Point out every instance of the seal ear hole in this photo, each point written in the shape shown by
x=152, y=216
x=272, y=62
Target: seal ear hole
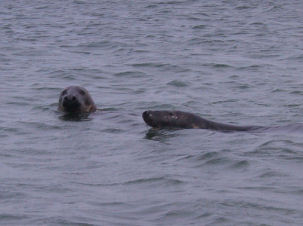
x=81, y=92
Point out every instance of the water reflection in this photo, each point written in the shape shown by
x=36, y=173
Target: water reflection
x=160, y=134
x=75, y=117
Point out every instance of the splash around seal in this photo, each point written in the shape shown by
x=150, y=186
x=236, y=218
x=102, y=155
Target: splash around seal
x=76, y=100
x=186, y=120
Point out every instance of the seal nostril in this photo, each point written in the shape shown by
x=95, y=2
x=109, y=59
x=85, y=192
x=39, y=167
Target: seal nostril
x=67, y=98
x=144, y=114
x=147, y=115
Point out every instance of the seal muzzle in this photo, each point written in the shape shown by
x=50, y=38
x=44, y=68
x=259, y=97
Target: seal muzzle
x=71, y=104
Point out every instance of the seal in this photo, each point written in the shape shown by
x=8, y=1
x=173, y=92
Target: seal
x=76, y=100
x=186, y=120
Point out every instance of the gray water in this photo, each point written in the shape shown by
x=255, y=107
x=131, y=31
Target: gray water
x=236, y=62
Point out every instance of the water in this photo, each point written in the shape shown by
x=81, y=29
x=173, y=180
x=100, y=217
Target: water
x=231, y=61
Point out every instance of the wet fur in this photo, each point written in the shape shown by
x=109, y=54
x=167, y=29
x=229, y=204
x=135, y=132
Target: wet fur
x=76, y=100
x=186, y=120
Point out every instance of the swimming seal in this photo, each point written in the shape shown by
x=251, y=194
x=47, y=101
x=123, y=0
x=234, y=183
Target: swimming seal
x=186, y=120
x=76, y=100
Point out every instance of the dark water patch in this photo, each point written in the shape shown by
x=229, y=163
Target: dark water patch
x=243, y=86
x=296, y=92
x=216, y=161
x=254, y=67
x=240, y=165
x=152, y=181
x=93, y=45
x=177, y=83
x=11, y=130
x=8, y=194
x=160, y=134
x=243, y=7
x=198, y=27
x=139, y=91
x=149, y=64
x=130, y=74
x=113, y=130
x=224, y=101
x=208, y=156
x=75, y=117
x=99, y=185
x=271, y=174
x=218, y=66
x=295, y=57
x=12, y=218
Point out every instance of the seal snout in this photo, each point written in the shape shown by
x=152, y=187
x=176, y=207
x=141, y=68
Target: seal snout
x=70, y=103
x=69, y=98
x=146, y=114
x=147, y=117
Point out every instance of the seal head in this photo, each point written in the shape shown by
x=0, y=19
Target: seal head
x=76, y=100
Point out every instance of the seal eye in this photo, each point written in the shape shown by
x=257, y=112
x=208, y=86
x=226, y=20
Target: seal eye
x=81, y=92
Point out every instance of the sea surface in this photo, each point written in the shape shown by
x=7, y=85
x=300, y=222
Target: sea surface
x=237, y=62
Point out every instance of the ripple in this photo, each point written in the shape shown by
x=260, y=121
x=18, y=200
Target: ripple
x=241, y=164
x=216, y=161
x=198, y=27
x=6, y=218
x=208, y=155
x=212, y=159
x=158, y=65
x=40, y=125
x=130, y=74
x=283, y=148
x=113, y=130
x=177, y=83
x=271, y=174
x=158, y=180
x=218, y=65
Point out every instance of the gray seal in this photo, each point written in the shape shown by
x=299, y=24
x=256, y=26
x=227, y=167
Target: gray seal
x=76, y=100
x=186, y=120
